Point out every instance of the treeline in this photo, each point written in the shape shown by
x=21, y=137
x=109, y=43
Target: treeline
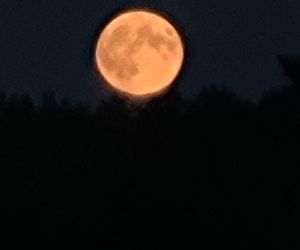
x=213, y=172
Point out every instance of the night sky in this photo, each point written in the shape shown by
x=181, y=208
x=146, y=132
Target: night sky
x=48, y=44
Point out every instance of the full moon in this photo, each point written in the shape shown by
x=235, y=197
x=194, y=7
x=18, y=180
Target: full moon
x=139, y=53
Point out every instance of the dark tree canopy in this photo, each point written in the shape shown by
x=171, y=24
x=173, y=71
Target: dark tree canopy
x=217, y=171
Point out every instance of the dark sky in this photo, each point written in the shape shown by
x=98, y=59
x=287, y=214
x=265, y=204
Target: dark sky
x=47, y=44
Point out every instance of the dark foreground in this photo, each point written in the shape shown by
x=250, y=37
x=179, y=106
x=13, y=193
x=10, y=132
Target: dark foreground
x=215, y=172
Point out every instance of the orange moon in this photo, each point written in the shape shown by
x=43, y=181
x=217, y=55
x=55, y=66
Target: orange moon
x=139, y=53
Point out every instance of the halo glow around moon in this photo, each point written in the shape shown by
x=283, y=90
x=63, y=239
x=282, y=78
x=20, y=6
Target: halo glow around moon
x=139, y=53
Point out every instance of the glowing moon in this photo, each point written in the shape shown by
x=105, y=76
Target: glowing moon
x=139, y=53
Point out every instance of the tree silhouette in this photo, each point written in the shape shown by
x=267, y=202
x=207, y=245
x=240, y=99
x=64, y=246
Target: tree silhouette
x=210, y=172
x=291, y=65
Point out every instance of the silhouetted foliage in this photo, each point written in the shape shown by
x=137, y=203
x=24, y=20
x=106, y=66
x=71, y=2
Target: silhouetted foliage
x=291, y=65
x=217, y=171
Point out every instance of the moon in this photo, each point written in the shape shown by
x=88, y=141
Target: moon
x=139, y=53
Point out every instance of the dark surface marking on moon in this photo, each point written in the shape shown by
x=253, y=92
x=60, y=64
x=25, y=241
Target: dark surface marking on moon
x=123, y=66
x=169, y=32
x=117, y=53
x=155, y=39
